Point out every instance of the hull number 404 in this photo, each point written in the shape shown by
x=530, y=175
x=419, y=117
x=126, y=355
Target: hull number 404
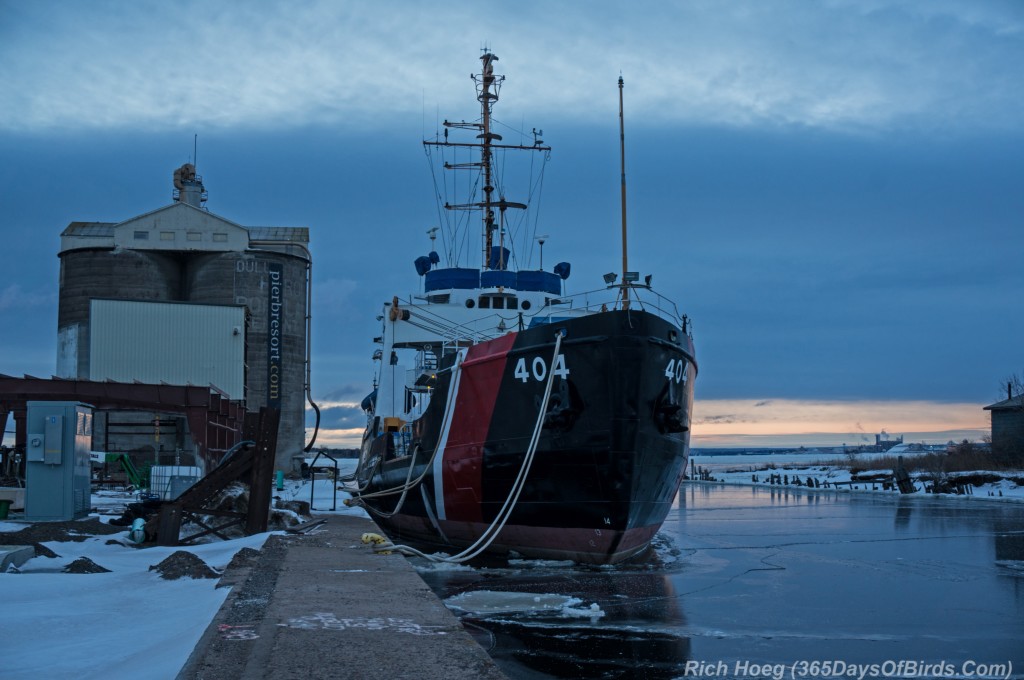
x=676, y=370
x=537, y=369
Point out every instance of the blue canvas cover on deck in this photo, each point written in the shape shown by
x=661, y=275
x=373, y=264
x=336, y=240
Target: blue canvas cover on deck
x=540, y=281
x=422, y=264
x=495, y=278
x=499, y=257
x=453, y=277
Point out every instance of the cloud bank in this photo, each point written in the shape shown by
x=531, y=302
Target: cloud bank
x=836, y=65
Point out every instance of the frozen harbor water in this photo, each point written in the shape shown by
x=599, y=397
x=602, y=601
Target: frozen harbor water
x=749, y=579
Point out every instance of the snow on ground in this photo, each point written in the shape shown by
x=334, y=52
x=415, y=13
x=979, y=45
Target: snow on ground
x=324, y=497
x=129, y=623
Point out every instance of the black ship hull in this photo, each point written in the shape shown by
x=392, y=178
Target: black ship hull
x=609, y=459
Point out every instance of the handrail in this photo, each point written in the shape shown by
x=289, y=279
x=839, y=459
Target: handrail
x=312, y=480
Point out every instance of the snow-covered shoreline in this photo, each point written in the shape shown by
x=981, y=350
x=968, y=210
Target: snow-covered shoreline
x=783, y=469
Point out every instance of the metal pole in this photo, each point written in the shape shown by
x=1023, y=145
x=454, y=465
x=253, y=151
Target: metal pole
x=487, y=79
x=622, y=156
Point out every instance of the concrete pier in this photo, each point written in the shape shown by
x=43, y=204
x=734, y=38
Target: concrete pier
x=324, y=605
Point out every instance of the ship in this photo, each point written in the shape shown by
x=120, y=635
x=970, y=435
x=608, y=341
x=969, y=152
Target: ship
x=508, y=417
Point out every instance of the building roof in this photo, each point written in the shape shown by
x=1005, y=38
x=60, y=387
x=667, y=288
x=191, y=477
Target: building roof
x=1014, y=404
x=96, y=229
x=180, y=226
x=289, y=234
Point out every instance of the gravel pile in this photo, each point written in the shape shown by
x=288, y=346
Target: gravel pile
x=182, y=564
x=83, y=565
x=42, y=532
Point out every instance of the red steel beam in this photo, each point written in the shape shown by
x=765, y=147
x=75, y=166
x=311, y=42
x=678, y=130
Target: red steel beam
x=214, y=421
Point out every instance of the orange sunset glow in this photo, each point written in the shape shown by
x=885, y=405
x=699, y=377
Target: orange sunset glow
x=785, y=422
x=771, y=422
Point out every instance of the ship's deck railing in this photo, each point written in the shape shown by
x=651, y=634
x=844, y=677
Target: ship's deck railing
x=610, y=298
x=455, y=335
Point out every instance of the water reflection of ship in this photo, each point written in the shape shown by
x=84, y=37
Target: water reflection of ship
x=634, y=639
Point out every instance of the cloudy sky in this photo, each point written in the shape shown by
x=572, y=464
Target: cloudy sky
x=832, y=191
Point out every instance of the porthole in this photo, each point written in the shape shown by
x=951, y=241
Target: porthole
x=471, y=303
x=526, y=304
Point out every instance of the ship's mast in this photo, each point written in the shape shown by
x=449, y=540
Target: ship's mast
x=487, y=85
x=622, y=157
x=486, y=96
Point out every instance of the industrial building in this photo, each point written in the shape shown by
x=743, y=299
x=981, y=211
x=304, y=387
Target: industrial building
x=182, y=296
x=1008, y=426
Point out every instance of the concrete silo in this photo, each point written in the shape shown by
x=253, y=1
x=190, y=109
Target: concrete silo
x=182, y=253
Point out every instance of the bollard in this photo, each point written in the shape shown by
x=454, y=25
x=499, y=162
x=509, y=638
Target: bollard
x=280, y=480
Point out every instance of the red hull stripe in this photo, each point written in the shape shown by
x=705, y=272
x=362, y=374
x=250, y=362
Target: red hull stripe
x=463, y=454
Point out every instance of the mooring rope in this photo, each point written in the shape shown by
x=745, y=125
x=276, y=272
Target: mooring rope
x=492, y=531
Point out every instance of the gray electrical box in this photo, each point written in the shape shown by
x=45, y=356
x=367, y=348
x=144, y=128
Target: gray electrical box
x=57, y=468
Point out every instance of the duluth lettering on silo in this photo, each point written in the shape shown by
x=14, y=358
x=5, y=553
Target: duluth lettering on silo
x=275, y=306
